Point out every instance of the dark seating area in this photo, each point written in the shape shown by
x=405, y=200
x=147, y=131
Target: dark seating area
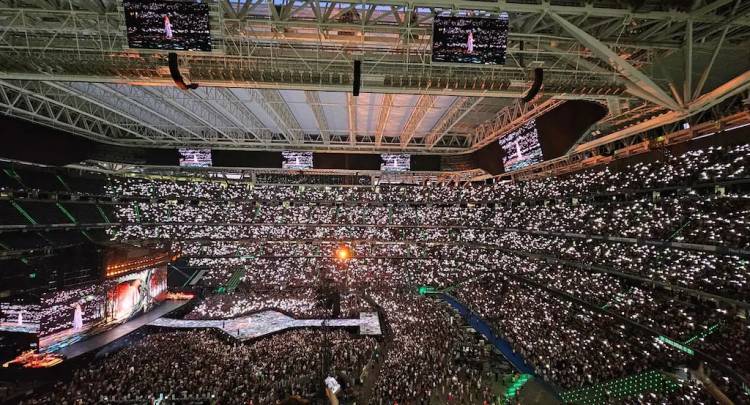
x=9, y=215
x=44, y=212
x=84, y=212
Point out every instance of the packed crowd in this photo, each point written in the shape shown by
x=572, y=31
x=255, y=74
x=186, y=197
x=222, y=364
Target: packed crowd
x=532, y=258
x=200, y=365
x=430, y=359
x=716, y=327
x=686, y=218
x=551, y=332
x=441, y=253
x=277, y=178
x=694, y=168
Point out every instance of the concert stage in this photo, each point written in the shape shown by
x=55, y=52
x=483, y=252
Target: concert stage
x=267, y=322
x=102, y=339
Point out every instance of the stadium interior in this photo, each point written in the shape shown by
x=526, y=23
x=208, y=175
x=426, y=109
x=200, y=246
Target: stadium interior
x=430, y=202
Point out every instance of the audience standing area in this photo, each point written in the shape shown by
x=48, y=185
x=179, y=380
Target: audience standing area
x=375, y=202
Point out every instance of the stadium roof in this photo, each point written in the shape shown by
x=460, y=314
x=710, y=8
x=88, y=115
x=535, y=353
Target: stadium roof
x=281, y=76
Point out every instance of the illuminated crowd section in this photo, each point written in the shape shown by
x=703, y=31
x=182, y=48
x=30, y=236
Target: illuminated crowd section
x=609, y=283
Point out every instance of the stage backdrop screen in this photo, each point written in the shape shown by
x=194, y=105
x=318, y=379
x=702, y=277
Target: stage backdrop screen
x=135, y=293
x=521, y=147
x=195, y=157
x=67, y=315
x=296, y=160
x=19, y=317
x=395, y=162
x=457, y=39
x=74, y=314
x=167, y=25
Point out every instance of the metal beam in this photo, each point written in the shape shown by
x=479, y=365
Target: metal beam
x=454, y=114
x=189, y=111
x=721, y=93
x=385, y=111
x=75, y=109
x=717, y=48
x=239, y=113
x=282, y=115
x=288, y=51
x=511, y=118
x=48, y=112
x=420, y=110
x=320, y=117
x=229, y=113
x=707, y=69
x=636, y=77
x=136, y=121
x=687, y=91
x=113, y=90
x=704, y=102
x=710, y=8
x=727, y=23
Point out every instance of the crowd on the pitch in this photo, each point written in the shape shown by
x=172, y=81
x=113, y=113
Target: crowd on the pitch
x=202, y=365
x=678, y=316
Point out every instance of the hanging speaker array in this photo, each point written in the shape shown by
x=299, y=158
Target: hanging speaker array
x=174, y=71
x=357, y=80
x=535, y=87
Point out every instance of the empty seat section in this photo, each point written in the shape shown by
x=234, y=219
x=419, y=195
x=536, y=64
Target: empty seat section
x=39, y=180
x=69, y=237
x=109, y=212
x=45, y=212
x=7, y=182
x=84, y=213
x=89, y=184
x=22, y=240
x=9, y=215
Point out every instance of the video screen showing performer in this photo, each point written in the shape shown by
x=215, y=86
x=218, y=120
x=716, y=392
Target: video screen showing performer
x=66, y=315
x=136, y=293
x=521, y=147
x=168, y=25
x=70, y=315
x=464, y=39
x=19, y=316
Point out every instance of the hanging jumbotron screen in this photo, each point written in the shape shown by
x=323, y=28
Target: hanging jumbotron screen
x=168, y=25
x=475, y=40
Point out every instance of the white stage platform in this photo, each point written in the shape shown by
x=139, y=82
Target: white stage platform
x=267, y=322
x=100, y=340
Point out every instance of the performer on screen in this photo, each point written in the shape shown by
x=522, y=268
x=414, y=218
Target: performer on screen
x=518, y=151
x=167, y=28
x=77, y=317
x=470, y=43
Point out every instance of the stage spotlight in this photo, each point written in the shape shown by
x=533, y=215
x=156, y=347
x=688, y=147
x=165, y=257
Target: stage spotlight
x=343, y=253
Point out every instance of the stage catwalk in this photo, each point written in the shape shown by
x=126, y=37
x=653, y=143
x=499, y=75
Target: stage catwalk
x=104, y=338
x=267, y=322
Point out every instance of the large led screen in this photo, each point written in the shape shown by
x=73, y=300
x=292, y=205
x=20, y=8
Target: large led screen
x=395, y=162
x=19, y=317
x=296, y=160
x=167, y=25
x=521, y=147
x=135, y=293
x=67, y=315
x=73, y=314
x=195, y=157
x=459, y=39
